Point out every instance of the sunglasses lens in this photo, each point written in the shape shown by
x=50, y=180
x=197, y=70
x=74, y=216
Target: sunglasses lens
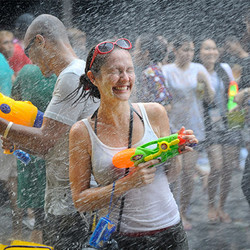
x=125, y=44
x=105, y=47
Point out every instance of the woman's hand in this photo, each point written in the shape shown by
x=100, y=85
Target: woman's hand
x=203, y=80
x=189, y=136
x=242, y=96
x=143, y=174
x=7, y=144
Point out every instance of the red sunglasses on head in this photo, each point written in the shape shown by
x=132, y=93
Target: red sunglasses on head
x=107, y=47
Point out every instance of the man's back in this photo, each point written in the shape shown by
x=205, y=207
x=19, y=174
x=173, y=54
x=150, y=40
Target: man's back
x=58, y=200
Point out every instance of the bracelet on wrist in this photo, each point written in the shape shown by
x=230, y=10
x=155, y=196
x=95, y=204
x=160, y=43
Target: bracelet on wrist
x=6, y=132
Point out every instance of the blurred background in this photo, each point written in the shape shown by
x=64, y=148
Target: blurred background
x=131, y=17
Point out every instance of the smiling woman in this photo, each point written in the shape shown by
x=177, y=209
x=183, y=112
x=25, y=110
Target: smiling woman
x=183, y=78
x=147, y=207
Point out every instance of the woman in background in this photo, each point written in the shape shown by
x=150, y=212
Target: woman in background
x=149, y=53
x=220, y=138
x=185, y=79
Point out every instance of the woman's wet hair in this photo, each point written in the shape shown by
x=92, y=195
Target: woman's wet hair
x=181, y=39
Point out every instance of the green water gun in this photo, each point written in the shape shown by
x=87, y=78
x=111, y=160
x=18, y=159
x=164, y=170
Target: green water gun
x=165, y=148
x=233, y=89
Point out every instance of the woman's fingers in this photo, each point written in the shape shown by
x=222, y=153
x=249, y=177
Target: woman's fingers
x=181, y=130
x=144, y=173
x=7, y=144
x=148, y=164
x=187, y=149
x=190, y=139
x=147, y=175
x=188, y=135
x=189, y=132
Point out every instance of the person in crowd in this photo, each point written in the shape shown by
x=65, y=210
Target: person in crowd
x=165, y=43
x=243, y=100
x=236, y=52
x=21, y=25
x=31, y=85
x=149, y=51
x=189, y=84
x=12, y=52
x=221, y=139
x=19, y=59
x=6, y=43
x=16, y=57
x=8, y=166
x=245, y=40
x=47, y=45
x=6, y=76
x=78, y=41
x=233, y=53
x=149, y=217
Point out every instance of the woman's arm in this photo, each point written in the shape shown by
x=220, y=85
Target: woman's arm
x=35, y=140
x=90, y=199
x=242, y=96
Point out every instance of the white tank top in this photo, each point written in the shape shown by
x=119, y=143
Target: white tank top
x=148, y=208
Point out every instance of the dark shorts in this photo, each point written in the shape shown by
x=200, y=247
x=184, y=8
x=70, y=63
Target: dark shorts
x=173, y=238
x=65, y=232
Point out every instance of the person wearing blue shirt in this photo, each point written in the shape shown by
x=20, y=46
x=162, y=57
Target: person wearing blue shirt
x=6, y=74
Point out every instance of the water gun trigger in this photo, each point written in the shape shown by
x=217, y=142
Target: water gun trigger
x=175, y=142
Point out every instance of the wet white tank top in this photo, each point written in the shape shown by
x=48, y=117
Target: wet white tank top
x=148, y=208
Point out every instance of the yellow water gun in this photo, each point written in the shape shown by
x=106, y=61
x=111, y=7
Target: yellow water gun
x=22, y=113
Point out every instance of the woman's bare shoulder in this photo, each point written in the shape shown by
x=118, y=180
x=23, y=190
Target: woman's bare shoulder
x=158, y=118
x=154, y=109
x=79, y=131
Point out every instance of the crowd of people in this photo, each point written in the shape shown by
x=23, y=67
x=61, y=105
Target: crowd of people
x=125, y=95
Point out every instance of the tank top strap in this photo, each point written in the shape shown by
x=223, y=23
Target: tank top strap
x=148, y=128
x=90, y=130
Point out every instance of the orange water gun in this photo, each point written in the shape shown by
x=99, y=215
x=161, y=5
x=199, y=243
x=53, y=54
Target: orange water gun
x=165, y=148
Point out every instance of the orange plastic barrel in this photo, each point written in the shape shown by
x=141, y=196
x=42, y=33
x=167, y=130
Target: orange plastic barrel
x=122, y=158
